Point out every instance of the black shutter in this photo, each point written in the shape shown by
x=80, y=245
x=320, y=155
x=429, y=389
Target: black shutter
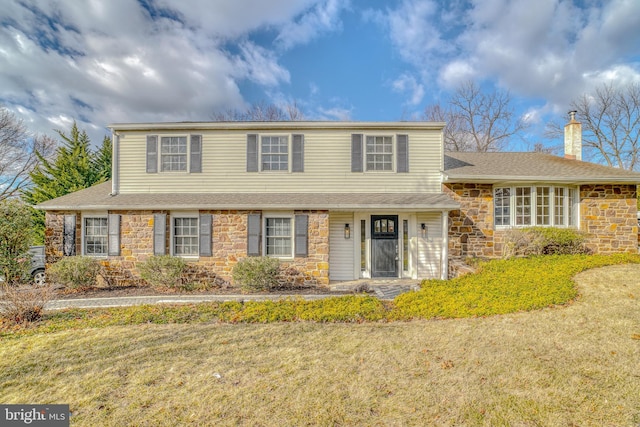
x=252, y=153
x=356, y=153
x=402, y=153
x=69, y=236
x=196, y=154
x=152, y=153
x=114, y=234
x=297, y=151
x=159, y=234
x=254, y=227
x=206, y=221
x=301, y=243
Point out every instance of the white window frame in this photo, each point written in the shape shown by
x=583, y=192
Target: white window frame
x=288, y=138
x=292, y=222
x=570, y=210
x=159, y=154
x=101, y=215
x=172, y=226
x=393, y=153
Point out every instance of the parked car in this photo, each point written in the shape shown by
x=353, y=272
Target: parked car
x=37, y=265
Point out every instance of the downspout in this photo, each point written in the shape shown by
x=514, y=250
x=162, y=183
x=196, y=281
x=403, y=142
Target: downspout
x=115, y=162
x=444, y=267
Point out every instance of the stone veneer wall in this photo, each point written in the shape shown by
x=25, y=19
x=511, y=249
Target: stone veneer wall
x=608, y=215
x=471, y=230
x=229, y=245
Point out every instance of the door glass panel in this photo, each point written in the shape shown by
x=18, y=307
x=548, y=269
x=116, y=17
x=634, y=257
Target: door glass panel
x=405, y=245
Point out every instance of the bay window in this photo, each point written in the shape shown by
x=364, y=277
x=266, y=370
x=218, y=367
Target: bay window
x=524, y=206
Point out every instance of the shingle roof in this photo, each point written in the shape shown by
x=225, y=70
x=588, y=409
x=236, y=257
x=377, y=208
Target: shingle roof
x=497, y=167
x=98, y=198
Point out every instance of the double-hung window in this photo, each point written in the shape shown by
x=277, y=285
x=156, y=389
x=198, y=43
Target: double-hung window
x=173, y=153
x=96, y=236
x=185, y=236
x=275, y=153
x=534, y=206
x=278, y=236
x=379, y=153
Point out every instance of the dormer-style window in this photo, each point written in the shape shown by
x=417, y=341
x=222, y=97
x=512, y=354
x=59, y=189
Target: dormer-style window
x=174, y=153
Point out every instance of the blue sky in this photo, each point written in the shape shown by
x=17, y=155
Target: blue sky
x=100, y=62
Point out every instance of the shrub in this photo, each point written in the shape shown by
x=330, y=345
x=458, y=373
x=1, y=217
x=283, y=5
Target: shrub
x=257, y=273
x=16, y=236
x=163, y=271
x=543, y=241
x=75, y=272
x=24, y=304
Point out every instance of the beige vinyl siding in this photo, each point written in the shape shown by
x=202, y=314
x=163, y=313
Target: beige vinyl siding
x=430, y=249
x=327, y=165
x=341, y=250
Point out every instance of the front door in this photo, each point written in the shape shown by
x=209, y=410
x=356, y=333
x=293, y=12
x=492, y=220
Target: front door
x=384, y=246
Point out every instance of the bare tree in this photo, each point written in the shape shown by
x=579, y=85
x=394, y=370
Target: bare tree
x=18, y=153
x=261, y=112
x=610, y=118
x=477, y=120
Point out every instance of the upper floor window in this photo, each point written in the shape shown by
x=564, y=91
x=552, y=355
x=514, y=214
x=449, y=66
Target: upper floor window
x=534, y=206
x=373, y=153
x=174, y=153
x=275, y=153
x=379, y=153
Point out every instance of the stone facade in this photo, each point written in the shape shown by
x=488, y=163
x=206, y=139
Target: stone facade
x=229, y=230
x=471, y=230
x=608, y=215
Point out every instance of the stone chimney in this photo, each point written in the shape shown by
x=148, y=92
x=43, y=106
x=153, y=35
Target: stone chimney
x=573, y=138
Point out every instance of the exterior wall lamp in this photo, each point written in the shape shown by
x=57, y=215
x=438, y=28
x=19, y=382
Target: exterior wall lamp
x=347, y=231
x=423, y=230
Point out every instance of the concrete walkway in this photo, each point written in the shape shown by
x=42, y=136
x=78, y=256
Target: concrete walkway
x=383, y=289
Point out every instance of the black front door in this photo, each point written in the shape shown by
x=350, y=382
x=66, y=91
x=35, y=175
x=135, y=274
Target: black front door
x=384, y=245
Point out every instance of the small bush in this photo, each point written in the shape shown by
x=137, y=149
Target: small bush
x=257, y=274
x=75, y=272
x=543, y=241
x=164, y=271
x=24, y=304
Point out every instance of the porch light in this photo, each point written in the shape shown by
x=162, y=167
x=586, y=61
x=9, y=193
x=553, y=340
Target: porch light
x=347, y=231
x=423, y=227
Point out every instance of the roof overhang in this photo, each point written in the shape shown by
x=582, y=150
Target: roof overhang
x=288, y=125
x=501, y=179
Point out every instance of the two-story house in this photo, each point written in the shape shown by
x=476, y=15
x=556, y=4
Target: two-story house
x=332, y=200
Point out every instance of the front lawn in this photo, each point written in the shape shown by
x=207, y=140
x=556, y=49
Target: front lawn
x=576, y=365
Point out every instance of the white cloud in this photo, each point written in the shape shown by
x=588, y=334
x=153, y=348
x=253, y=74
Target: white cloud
x=323, y=17
x=408, y=84
x=101, y=62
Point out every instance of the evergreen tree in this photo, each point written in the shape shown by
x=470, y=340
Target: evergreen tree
x=73, y=167
x=103, y=160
